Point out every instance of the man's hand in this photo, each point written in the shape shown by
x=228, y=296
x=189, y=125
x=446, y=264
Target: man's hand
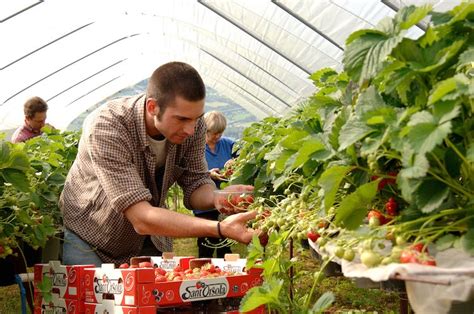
x=235, y=227
x=239, y=188
x=229, y=163
x=233, y=199
x=216, y=175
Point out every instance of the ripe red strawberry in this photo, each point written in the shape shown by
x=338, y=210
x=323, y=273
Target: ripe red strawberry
x=160, y=278
x=313, y=236
x=249, y=198
x=375, y=215
x=419, y=247
x=391, y=207
x=236, y=200
x=145, y=265
x=212, y=268
x=263, y=238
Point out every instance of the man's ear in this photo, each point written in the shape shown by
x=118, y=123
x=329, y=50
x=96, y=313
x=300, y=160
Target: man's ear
x=152, y=107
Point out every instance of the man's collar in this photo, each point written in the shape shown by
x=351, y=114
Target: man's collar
x=29, y=128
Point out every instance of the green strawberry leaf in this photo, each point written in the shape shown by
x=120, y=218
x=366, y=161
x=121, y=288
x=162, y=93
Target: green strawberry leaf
x=470, y=152
x=353, y=131
x=407, y=186
x=467, y=242
x=311, y=144
x=424, y=137
x=368, y=101
x=445, y=242
x=411, y=15
x=430, y=195
x=330, y=181
x=465, y=58
x=267, y=293
x=353, y=207
x=4, y=153
x=376, y=55
x=18, y=159
x=323, y=303
x=360, y=46
x=17, y=178
x=451, y=88
x=446, y=111
x=293, y=139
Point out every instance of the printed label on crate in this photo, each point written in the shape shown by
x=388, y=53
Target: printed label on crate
x=209, y=288
x=171, y=263
x=237, y=266
x=67, y=281
x=125, y=286
x=59, y=306
x=113, y=285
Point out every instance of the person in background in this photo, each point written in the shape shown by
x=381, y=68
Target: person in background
x=218, y=152
x=35, y=109
x=130, y=153
x=219, y=149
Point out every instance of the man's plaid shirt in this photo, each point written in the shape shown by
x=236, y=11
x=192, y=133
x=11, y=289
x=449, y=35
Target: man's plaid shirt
x=115, y=168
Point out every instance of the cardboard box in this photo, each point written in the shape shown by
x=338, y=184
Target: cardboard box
x=58, y=305
x=208, y=288
x=109, y=307
x=137, y=287
x=129, y=286
x=67, y=281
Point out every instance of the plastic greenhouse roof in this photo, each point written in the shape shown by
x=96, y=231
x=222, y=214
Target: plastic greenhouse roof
x=258, y=53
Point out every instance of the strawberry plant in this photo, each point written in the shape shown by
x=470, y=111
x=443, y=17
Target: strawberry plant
x=31, y=178
x=387, y=143
x=227, y=202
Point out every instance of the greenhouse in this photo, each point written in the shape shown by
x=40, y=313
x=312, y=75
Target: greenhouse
x=237, y=156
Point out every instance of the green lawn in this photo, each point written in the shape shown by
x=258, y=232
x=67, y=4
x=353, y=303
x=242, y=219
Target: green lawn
x=10, y=301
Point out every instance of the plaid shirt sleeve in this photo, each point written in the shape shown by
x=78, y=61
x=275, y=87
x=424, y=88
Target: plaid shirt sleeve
x=112, y=160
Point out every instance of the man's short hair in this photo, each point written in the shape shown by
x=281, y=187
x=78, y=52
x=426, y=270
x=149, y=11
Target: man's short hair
x=34, y=105
x=215, y=122
x=175, y=79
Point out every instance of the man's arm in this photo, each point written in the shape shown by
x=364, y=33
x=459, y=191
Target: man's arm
x=203, y=197
x=150, y=220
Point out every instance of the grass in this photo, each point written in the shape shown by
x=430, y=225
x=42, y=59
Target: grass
x=348, y=297
x=10, y=301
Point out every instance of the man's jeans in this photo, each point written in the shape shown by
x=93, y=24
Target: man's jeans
x=78, y=252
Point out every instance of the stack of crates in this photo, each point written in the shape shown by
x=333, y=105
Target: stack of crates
x=67, y=288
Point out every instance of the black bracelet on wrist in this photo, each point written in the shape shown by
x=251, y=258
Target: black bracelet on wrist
x=219, y=230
